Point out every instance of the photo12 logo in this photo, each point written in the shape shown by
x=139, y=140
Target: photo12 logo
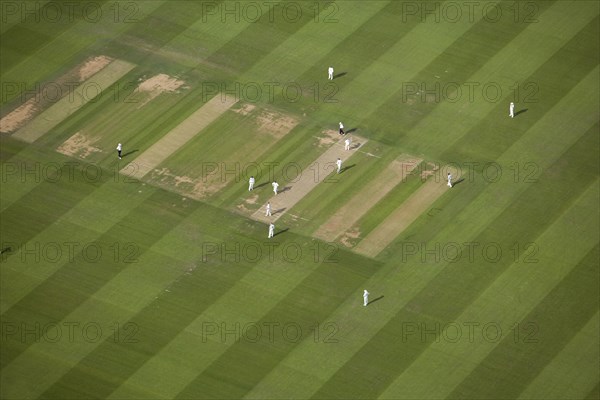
x=270, y=92
x=271, y=252
x=69, y=332
x=269, y=11
x=271, y=332
x=70, y=252
x=471, y=332
x=469, y=11
x=69, y=11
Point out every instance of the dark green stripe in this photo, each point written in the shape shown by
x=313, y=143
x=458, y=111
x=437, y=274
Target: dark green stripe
x=463, y=58
x=76, y=281
x=518, y=359
x=244, y=364
x=521, y=222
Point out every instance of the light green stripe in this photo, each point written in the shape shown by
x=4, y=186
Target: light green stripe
x=508, y=69
x=505, y=302
x=357, y=327
x=573, y=373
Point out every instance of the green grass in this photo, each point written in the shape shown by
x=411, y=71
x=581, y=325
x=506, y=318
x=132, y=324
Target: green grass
x=176, y=285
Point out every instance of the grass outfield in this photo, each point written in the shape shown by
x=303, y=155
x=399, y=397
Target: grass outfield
x=167, y=287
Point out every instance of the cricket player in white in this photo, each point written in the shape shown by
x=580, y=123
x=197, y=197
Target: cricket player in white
x=268, y=213
x=339, y=165
x=342, y=129
x=275, y=186
x=366, y=298
x=449, y=179
x=271, y=230
x=511, y=110
x=347, y=144
x=119, y=149
x=251, y=183
x=330, y=72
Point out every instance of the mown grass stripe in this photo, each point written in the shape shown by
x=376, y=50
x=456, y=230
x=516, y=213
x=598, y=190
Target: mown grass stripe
x=502, y=305
x=558, y=317
x=480, y=117
x=569, y=374
x=521, y=222
x=312, y=300
x=75, y=281
x=486, y=204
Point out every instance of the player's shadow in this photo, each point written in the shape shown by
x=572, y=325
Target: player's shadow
x=374, y=300
x=285, y=189
x=521, y=111
x=355, y=146
x=351, y=130
x=278, y=211
x=458, y=181
x=281, y=231
x=339, y=75
x=347, y=168
x=261, y=185
x=129, y=153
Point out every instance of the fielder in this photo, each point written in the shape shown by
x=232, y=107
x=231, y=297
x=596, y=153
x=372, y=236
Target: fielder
x=366, y=298
x=275, y=186
x=449, y=179
x=268, y=213
x=347, y=144
x=119, y=149
x=342, y=129
x=271, y=230
x=251, y=184
x=339, y=165
x=330, y=73
x=511, y=110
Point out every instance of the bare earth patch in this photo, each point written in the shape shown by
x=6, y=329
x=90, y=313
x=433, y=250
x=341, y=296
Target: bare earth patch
x=158, y=84
x=395, y=173
x=276, y=124
x=196, y=188
x=245, y=109
x=93, y=65
x=329, y=137
x=19, y=116
x=26, y=111
x=349, y=238
x=63, y=108
x=78, y=145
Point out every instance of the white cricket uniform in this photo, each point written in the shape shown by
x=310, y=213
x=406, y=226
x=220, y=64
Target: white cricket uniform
x=366, y=298
x=450, y=180
x=251, y=183
x=268, y=213
x=275, y=186
x=271, y=231
x=511, y=110
x=339, y=165
x=347, y=144
x=330, y=72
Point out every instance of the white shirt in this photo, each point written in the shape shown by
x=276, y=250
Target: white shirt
x=251, y=180
x=341, y=126
x=330, y=70
x=119, y=147
x=339, y=163
x=275, y=185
